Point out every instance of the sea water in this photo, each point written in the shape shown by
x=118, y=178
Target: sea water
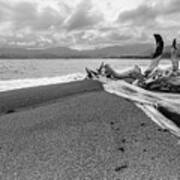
x=23, y=73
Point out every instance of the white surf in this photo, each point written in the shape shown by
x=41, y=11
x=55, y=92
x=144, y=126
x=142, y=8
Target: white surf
x=7, y=85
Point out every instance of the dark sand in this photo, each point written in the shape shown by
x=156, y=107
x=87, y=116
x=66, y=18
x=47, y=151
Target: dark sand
x=87, y=135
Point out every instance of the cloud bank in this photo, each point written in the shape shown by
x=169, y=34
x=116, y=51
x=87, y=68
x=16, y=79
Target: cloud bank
x=86, y=23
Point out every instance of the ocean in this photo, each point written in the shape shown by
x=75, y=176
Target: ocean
x=22, y=73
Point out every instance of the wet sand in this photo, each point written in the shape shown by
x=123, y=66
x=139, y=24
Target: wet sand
x=78, y=131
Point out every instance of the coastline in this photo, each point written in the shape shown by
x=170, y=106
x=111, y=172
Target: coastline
x=33, y=96
x=76, y=130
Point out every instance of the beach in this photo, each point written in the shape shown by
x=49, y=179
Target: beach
x=78, y=131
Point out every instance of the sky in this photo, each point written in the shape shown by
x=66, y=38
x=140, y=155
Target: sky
x=86, y=24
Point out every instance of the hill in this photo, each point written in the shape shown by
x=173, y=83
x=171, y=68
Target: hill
x=126, y=51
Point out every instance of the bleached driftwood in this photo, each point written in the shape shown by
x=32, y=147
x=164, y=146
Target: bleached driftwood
x=163, y=79
x=163, y=108
x=154, y=78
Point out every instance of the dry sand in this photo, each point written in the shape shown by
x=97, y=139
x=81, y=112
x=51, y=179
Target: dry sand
x=48, y=133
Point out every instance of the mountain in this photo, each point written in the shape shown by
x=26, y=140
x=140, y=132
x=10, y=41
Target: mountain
x=133, y=50
x=122, y=51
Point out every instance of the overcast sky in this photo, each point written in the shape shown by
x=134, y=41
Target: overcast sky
x=86, y=23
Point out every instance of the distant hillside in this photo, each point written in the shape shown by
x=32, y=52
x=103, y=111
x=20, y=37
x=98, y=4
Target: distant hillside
x=134, y=50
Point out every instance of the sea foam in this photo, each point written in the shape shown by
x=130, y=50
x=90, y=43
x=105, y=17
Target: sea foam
x=7, y=85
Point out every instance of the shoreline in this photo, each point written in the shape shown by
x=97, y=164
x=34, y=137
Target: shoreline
x=26, y=97
x=87, y=134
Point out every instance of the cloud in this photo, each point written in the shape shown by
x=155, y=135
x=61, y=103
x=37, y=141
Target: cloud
x=24, y=14
x=86, y=23
x=26, y=24
x=142, y=15
x=172, y=7
x=27, y=14
x=151, y=17
x=83, y=17
x=4, y=11
x=100, y=38
x=149, y=13
x=114, y=36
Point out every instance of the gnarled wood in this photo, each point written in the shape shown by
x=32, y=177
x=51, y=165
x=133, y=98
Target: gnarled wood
x=174, y=60
x=154, y=78
x=157, y=54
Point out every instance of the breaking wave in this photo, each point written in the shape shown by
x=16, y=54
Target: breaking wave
x=7, y=85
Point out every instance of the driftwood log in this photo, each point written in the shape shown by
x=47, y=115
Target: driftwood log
x=163, y=107
x=158, y=79
x=154, y=78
